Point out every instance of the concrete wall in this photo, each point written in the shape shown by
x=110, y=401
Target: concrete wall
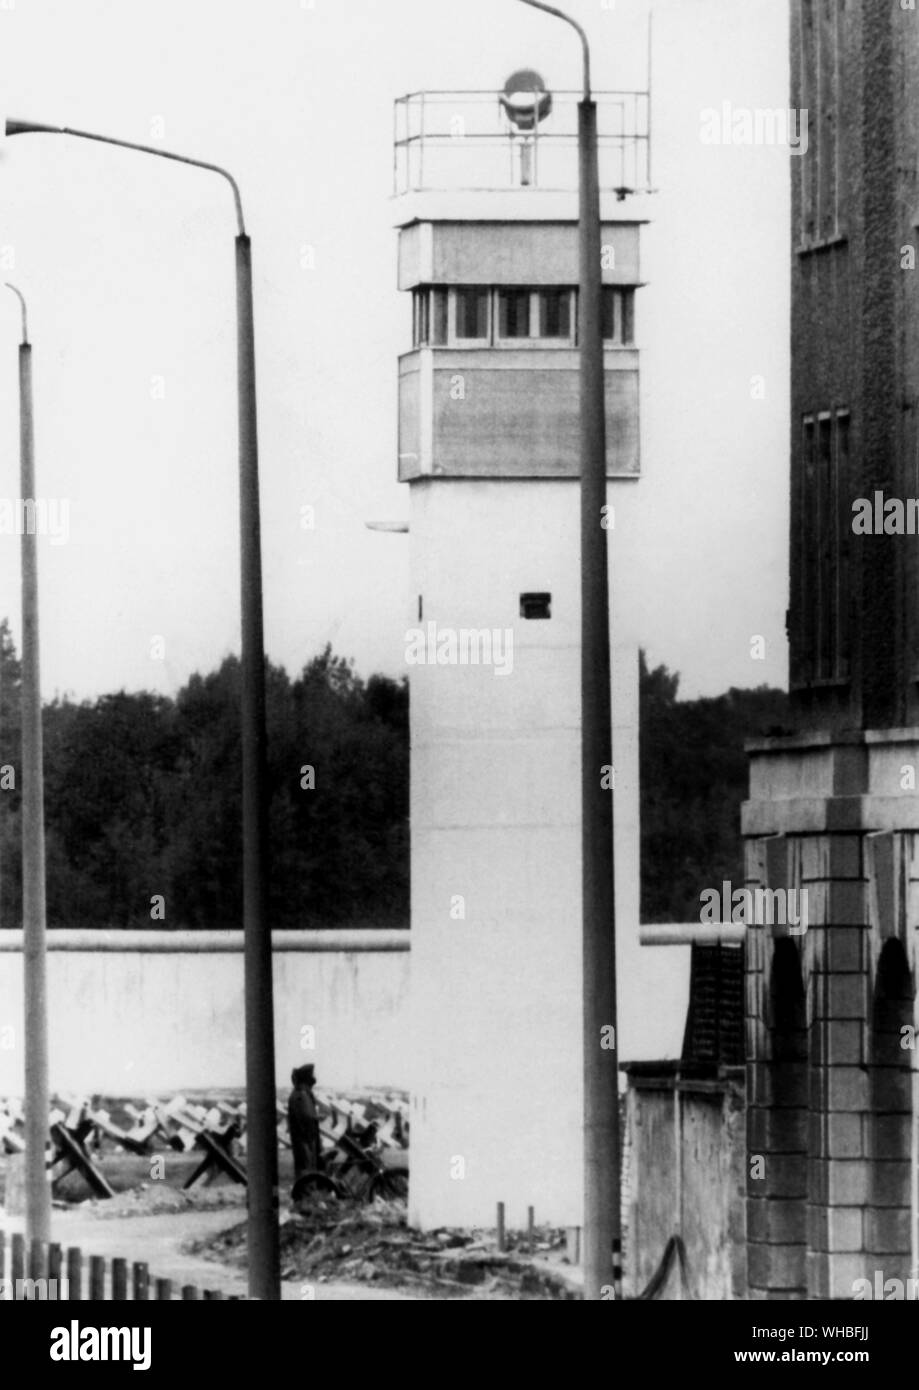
x=161, y=1011
x=136, y=1013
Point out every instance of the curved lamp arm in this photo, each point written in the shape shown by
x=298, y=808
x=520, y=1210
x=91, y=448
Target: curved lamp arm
x=25, y=318
x=34, y=128
x=559, y=14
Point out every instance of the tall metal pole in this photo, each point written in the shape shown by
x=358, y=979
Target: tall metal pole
x=34, y=926
x=602, y=1217
x=261, y=1123
x=261, y=1115
x=602, y=1235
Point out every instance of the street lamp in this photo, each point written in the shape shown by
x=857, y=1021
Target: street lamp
x=34, y=922
x=261, y=1118
x=602, y=1216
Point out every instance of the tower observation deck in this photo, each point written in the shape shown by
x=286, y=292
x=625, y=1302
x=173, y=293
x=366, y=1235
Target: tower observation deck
x=478, y=141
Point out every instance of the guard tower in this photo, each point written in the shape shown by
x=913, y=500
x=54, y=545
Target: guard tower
x=488, y=445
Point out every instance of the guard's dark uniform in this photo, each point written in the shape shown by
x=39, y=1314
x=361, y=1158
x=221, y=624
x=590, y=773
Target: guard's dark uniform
x=303, y=1121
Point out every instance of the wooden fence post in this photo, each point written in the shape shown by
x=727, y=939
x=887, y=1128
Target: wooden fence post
x=55, y=1255
x=48, y=1262
x=96, y=1279
x=18, y=1262
x=74, y=1273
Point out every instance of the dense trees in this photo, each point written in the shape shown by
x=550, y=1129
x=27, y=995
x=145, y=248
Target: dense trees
x=143, y=798
x=143, y=801
x=693, y=780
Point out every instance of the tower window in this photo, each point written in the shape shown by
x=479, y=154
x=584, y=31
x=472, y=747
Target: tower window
x=419, y=317
x=476, y=316
x=438, y=317
x=628, y=316
x=430, y=317
x=514, y=313
x=617, y=315
x=472, y=313
x=554, y=313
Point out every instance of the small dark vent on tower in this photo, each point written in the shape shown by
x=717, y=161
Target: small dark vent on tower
x=714, y=1023
x=536, y=605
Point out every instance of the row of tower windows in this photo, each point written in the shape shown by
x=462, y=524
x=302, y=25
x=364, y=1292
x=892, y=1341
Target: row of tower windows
x=479, y=316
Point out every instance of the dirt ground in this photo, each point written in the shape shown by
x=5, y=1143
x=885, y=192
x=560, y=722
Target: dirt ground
x=346, y=1252
x=330, y=1250
x=156, y=1222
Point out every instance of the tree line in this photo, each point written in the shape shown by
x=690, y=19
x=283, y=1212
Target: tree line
x=143, y=792
x=694, y=777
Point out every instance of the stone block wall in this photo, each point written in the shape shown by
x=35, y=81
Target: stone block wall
x=831, y=1016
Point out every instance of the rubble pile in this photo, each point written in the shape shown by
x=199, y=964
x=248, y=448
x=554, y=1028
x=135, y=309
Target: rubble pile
x=334, y=1240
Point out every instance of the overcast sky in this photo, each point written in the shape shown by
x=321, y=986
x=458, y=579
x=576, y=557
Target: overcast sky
x=127, y=264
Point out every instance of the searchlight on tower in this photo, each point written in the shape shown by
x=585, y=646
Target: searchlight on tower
x=526, y=102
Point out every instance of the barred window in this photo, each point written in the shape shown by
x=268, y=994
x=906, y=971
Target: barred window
x=430, y=317
x=617, y=315
x=824, y=530
x=815, y=98
x=554, y=313
x=513, y=313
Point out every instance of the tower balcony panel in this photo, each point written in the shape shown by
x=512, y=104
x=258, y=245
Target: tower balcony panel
x=452, y=251
x=470, y=413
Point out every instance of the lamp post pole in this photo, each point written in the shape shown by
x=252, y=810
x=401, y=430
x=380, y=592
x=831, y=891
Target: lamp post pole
x=261, y=1112
x=34, y=923
x=602, y=1216
x=261, y=1131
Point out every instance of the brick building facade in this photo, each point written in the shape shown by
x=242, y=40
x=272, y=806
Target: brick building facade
x=834, y=807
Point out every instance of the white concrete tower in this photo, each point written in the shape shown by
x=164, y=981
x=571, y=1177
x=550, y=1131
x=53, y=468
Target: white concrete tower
x=488, y=444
